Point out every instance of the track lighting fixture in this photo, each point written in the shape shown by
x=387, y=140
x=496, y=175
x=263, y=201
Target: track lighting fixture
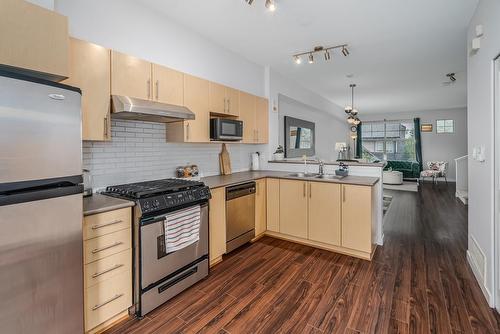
x=451, y=76
x=270, y=5
x=352, y=119
x=327, y=52
x=297, y=60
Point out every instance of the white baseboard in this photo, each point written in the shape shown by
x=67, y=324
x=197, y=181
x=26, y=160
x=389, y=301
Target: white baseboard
x=480, y=279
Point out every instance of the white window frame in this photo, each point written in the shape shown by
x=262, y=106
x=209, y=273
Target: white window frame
x=444, y=127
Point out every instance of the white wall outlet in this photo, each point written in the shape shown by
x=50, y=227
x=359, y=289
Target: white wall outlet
x=476, y=44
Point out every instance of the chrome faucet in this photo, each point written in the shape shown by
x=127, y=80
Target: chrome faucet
x=321, y=167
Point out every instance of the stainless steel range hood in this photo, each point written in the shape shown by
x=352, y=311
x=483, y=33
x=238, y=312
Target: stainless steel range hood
x=125, y=107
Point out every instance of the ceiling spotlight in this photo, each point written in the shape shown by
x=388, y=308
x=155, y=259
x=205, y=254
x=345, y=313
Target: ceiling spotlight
x=345, y=52
x=297, y=59
x=350, y=120
x=327, y=54
x=249, y=2
x=270, y=5
x=311, y=58
x=356, y=121
x=451, y=76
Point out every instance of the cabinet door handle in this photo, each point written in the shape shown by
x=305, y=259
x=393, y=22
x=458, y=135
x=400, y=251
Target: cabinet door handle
x=105, y=271
x=157, y=89
x=257, y=131
x=114, y=222
x=304, y=189
x=116, y=244
x=343, y=193
x=106, y=126
x=187, y=131
x=98, y=306
x=310, y=190
x=228, y=106
x=148, y=83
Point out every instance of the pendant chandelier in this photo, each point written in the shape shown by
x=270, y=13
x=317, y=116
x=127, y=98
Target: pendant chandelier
x=351, y=111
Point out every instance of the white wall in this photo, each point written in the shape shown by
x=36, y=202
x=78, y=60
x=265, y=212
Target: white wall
x=436, y=147
x=132, y=28
x=480, y=127
x=49, y=4
x=305, y=104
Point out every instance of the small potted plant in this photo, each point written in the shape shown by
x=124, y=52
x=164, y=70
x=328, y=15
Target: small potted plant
x=279, y=154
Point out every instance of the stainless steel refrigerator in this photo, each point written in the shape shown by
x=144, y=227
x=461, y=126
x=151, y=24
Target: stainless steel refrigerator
x=41, y=280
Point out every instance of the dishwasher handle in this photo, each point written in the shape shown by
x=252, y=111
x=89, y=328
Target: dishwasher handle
x=240, y=190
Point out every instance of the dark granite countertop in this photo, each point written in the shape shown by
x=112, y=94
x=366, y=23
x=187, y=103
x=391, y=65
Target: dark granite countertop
x=101, y=203
x=218, y=181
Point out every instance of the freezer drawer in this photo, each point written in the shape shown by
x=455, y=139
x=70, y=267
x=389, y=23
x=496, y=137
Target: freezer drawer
x=41, y=285
x=40, y=131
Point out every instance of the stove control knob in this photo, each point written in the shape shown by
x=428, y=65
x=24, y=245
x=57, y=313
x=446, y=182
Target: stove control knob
x=146, y=205
x=156, y=203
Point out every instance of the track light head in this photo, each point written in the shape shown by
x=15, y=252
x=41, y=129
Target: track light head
x=249, y=2
x=297, y=60
x=327, y=55
x=345, y=51
x=348, y=110
x=311, y=58
x=452, y=77
x=270, y=5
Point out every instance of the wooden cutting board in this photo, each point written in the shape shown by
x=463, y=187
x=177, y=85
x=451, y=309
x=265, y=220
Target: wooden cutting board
x=225, y=161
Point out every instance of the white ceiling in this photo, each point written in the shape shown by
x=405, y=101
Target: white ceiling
x=400, y=49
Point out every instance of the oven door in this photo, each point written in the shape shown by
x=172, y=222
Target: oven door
x=155, y=263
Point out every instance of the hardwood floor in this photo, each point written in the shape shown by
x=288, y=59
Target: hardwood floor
x=418, y=282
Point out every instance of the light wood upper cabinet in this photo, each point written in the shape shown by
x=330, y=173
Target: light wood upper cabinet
x=130, y=76
x=196, y=99
x=248, y=103
x=293, y=208
x=168, y=85
x=273, y=204
x=233, y=101
x=260, y=207
x=34, y=39
x=89, y=70
x=357, y=217
x=262, y=120
x=217, y=230
x=325, y=212
x=217, y=98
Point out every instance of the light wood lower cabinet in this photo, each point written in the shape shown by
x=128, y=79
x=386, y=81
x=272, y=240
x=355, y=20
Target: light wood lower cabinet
x=107, y=267
x=293, y=208
x=217, y=223
x=325, y=213
x=273, y=205
x=260, y=207
x=357, y=217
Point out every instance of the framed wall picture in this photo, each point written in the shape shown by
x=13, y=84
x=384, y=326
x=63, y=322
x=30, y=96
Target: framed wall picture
x=426, y=127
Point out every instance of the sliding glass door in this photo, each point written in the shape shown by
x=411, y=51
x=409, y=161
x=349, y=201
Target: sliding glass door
x=388, y=140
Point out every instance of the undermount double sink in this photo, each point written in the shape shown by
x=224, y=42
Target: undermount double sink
x=317, y=176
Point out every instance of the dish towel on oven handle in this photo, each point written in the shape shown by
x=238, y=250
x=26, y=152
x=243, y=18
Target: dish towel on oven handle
x=182, y=228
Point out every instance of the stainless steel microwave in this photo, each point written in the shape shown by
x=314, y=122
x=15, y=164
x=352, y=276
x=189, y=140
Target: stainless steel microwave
x=225, y=129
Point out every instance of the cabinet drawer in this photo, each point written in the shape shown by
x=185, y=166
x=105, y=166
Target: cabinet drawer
x=108, y=267
x=106, y=299
x=109, y=244
x=105, y=223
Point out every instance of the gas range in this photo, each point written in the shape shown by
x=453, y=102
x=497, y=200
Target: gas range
x=161, y=195
x=159, y=275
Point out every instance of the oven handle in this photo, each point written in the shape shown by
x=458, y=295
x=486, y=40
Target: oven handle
x=162, y=217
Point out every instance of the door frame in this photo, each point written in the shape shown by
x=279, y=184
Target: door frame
x=496, y=191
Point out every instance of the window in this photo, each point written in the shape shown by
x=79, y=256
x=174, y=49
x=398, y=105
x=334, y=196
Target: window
x=445, y=126
x=394, y=140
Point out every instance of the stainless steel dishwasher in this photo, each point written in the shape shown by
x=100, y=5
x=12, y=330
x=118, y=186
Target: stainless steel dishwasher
x=240, y=215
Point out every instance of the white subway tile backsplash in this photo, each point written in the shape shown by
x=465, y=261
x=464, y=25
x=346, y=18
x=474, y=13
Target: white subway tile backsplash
x=138, y=151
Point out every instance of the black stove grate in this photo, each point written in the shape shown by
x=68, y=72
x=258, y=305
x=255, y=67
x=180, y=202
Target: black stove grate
x=151, y=188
